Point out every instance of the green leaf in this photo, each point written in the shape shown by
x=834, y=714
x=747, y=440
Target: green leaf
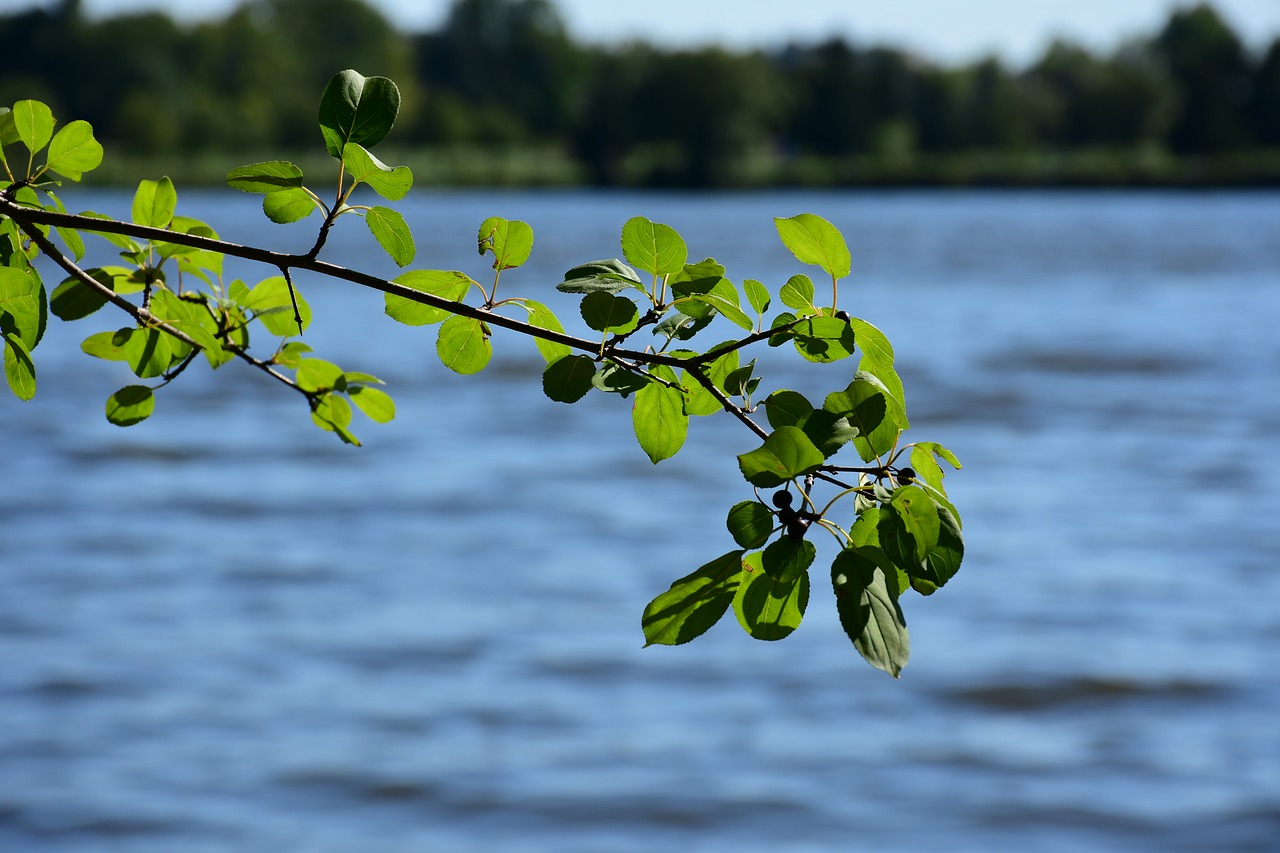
x=392, y=183
x=154, y=203
x=943, y=561
x=869, y=611
x=824, y=339
x=658, y=417
x=869, y=408
x=272, y=176
x=694, y=603
x=333, y=414
x=653, y=247
x=797, y=294
x=750, y=523
x=827, y=431
x=757, y=295
x=34, y=124
x=786, y=454
x=541, y=317
x=449, y=285
x=19, y=369
x=605, y=312
x=374, y=402
x=611, y=275
x=316, y=374
x=291, y=353
x=272, y=304
x=359, y=109
x=148, y=352
x=463, y=345
x=130, y=405
x=22, y=306
x=288, y=206
x=392, y=234
x=919, y=516
x=814, y=240
x=774, y=590
x=108, y=345
x=74, y=300
x=569, y=378
x=74, y=151
x=510, y=240
x=787, y=408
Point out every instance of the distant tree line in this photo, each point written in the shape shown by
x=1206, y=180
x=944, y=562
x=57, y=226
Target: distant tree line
x=506, y=74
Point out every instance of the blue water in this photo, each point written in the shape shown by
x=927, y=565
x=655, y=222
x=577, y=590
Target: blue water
x=223, y=630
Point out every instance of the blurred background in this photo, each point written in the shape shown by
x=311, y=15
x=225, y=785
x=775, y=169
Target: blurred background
x=223, y=630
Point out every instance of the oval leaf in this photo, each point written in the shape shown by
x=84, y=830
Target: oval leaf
x=814, y=240
x=694, y=603
x=653, y=247
x=392, y=234
x=463, y=345
x=74, y=151
x=130, y=405
x=659, y=418
x=272, y=176
x=786, y=454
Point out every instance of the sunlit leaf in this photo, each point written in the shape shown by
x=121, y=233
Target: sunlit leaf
x=658, y=417
x=19, y=369
x=154, y=203
x=653, y=247
x=33, y=122
x=392, y=234
x=448, y=285
x=463, y=345
x=74, y=151
x=272, y=176
x=130, y=405
x=374, y=402
x=291, y=205
x=786, y=454
x=814, y=240
x=510, y=240
x=390, y=182
x=774, y=589
x=694, y=603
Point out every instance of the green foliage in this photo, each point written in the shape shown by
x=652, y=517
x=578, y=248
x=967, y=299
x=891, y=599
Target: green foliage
x=647, y=320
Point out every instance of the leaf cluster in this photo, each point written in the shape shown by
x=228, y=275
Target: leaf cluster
x=663, y=331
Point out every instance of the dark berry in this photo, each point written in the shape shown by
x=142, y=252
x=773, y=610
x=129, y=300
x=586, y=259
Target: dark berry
x=782, y=500
x=906, y=475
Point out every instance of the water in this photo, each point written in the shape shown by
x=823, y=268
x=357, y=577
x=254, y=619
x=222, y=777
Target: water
x=222, y=630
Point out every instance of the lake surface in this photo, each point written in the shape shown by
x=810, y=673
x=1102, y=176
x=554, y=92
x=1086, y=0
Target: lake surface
x=223, y=630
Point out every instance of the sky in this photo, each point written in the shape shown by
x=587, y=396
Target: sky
x=943, y=30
